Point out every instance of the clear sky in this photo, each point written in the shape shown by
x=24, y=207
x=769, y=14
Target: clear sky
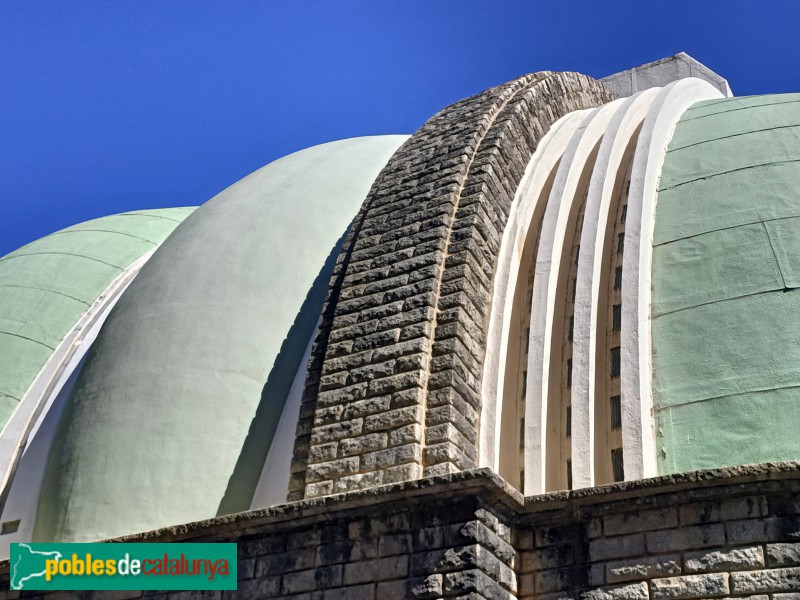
x=108, y=106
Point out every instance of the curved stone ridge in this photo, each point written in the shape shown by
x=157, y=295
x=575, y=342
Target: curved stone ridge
x=395, y=374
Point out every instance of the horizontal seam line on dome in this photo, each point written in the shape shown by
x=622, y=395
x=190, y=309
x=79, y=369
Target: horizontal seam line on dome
x=4, y=395
x=26, y=338
x=101, y=231
x=751, y=223
x=722, y=112
x=712, y=175
x=701, y=400
x=62, y=254
x=733, y=135
x=33, y=287
x=150, y=215
x=762, y=292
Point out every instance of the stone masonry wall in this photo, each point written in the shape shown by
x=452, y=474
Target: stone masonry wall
x=394, y=378
x=695, y=539
x=728, y=534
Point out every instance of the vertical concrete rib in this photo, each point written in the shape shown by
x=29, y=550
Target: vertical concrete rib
x=636, y=348
x=613, y=155
x=524, y=220
x=542, y=427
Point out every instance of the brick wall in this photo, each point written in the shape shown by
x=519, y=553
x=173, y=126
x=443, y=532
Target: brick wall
x=393, y=388
x=732, y=533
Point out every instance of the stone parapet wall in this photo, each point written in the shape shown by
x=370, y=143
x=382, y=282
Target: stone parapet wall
x=732, y=533
x=394, y=379
x=703, y=537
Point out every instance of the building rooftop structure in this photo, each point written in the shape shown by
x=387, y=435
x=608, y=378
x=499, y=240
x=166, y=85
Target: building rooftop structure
x=571, y=283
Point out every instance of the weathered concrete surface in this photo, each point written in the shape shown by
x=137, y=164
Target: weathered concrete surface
x=661, y=72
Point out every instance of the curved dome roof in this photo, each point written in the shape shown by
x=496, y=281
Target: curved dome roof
x=48, y=284
x=201, y=350
x=726, y=273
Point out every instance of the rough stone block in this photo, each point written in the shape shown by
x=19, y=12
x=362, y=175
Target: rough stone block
x=355, y=592
x=306, y=581
x=393, y=419
x=379, y=569
x=358, y=482
x=332, y=469
x=405, y=472
x=690, y=586
x=362, y=444
x=645, y=567
x=410, y=453
x=562, y=555
x=275, y=564
x=634, y=591
x=474, y=580
x=774, y=580
x=616, y=547
x=686, y=538
x=647, y=520
x=771, y=529
x=783, y=555
x=722, y=510
x=735, y=559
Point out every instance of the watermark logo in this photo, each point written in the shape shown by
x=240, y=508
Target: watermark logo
x=123, y=566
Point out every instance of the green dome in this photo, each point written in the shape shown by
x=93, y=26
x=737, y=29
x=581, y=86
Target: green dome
x=726, y=273
x=176, y=408
x=48, y=284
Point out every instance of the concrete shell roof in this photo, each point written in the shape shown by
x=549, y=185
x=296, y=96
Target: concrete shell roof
x=48, y=284
x=726, y=286
x=175, y=409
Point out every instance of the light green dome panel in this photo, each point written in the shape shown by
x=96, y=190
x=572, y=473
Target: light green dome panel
x=726, y=268
x=175, y=409
x=47, y=285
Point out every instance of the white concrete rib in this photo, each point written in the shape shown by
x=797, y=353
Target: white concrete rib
x=603, y=135
x=638, y=438
x=515, y=234
x=611, y=158
x=555, y=225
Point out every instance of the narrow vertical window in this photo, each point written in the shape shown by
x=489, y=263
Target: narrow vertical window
x=620, y=243
x=577, y=253
x=574, y=288
x=524, y=384
x=616, y=320
x=616, y=412
x=569, y=373
x=618, y=278
x=615, y=360
x=571, y=327
x=569, y=422
x=624, y=213
x=569, y=474
x=617, y=464
x=522, y=434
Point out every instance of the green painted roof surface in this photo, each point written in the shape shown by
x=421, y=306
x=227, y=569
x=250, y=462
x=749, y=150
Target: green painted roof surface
x=48, y=284
x=726, y=286
x=176, y=407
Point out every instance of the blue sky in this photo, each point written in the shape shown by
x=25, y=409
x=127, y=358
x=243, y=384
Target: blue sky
x=114, y=106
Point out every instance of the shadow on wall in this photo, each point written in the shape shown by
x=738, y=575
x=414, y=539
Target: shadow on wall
x=242, y=484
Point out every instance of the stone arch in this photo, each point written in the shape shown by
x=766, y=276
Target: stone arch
x=393, y=391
